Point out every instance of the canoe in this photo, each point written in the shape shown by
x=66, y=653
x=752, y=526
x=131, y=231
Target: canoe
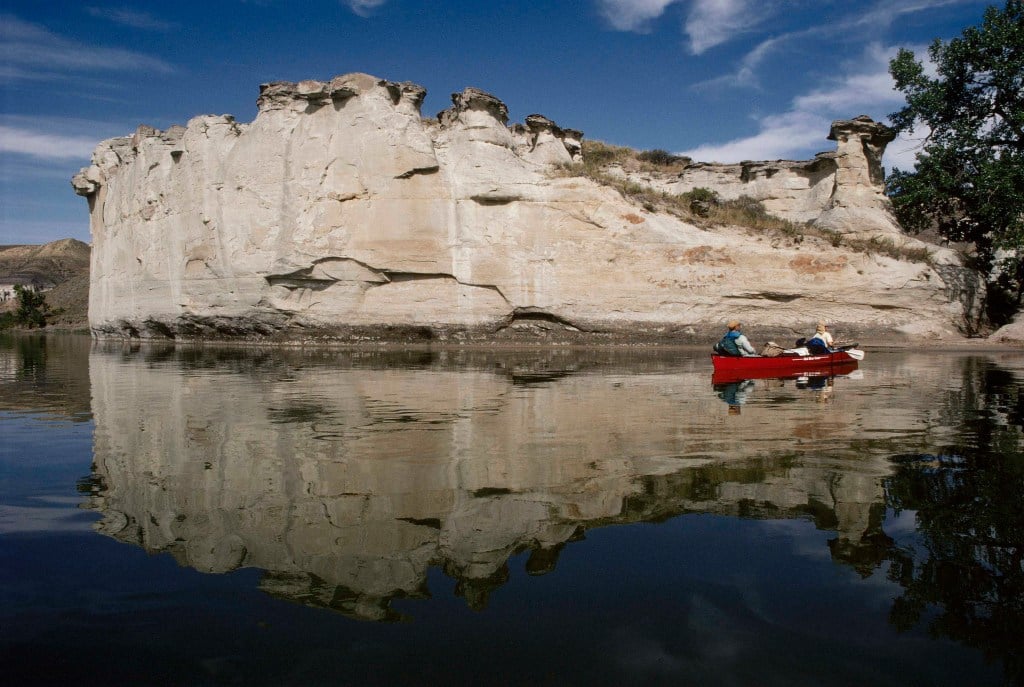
x=761, y=367
x=719, y=377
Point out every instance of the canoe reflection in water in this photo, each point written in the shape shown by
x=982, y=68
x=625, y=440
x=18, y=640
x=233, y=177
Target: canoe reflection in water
x=736, y=392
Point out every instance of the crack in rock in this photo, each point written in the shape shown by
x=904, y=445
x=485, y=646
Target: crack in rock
x=432, y=169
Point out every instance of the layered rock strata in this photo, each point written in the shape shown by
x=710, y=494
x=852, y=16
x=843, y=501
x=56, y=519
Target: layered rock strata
x=340, y=213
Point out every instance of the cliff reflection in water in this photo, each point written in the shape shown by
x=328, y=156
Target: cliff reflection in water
x=347, y=476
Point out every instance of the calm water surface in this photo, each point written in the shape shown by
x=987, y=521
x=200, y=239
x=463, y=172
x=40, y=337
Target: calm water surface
x=234, y=517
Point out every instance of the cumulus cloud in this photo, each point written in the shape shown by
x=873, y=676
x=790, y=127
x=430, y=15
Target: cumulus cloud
x=25, y=48
x=132, y=18
x=363, y=7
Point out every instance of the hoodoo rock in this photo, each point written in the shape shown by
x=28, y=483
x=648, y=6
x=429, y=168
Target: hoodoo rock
x=340, y=213
x=858, y=204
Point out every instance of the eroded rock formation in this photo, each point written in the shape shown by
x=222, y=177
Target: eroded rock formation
x=341, y=213
x=841, y=190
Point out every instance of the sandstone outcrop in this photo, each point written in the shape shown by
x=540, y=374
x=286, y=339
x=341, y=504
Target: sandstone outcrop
x=340, y=213
x=842, y=190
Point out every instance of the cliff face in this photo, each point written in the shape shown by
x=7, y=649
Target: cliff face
x=340, y=212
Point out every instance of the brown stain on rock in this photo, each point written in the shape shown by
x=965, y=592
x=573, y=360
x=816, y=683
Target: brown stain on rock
x=811, y=264
x=703, y=255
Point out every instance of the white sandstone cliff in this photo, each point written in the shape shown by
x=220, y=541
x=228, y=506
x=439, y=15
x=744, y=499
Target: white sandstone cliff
x=341, y=213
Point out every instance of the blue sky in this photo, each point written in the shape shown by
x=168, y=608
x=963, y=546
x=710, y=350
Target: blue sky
x=723, y=80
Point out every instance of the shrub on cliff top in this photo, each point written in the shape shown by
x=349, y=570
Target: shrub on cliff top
x=597, y=154
x=661, y=158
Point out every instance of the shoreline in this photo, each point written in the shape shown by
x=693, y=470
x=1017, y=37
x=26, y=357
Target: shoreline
x=966, y=345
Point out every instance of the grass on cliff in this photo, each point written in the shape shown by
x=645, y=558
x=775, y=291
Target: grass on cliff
x=703, y=207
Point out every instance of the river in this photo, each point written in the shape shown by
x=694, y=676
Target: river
x=234, y=516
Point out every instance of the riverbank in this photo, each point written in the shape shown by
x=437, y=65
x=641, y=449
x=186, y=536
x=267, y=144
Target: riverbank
x=684, y=343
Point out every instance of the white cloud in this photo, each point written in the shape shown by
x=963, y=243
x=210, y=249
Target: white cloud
x=132, y=18
x=708, y=22
x=26, y=47
x=858, y=91
x=886, y=12
x=859, y=26
x=363, y=7
x=746, y=74
x=785, y=136
x=864, y=88
x=632, y=15
x=45, y=145
x=713, y=22
x=866, y=85
x=902, y=152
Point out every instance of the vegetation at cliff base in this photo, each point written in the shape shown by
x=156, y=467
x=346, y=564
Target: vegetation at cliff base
x=968, y=182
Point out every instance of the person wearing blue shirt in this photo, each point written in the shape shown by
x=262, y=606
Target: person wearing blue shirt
x=734, y=342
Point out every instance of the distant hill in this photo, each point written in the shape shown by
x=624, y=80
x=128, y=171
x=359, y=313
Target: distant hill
x=51, y=263
x=60, y=267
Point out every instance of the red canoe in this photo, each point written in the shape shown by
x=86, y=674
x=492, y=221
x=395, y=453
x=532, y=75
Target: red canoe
x=760, y=367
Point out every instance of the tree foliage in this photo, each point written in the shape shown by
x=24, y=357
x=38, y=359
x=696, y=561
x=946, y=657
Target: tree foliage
x=964, y=576
x=968, y=182
x=32, y=308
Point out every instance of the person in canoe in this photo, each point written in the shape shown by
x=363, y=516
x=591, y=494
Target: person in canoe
x=821, y=340
x=734, y=342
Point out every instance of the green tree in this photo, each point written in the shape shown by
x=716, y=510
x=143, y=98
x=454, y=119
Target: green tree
x=968, y=182
x=32, y=307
